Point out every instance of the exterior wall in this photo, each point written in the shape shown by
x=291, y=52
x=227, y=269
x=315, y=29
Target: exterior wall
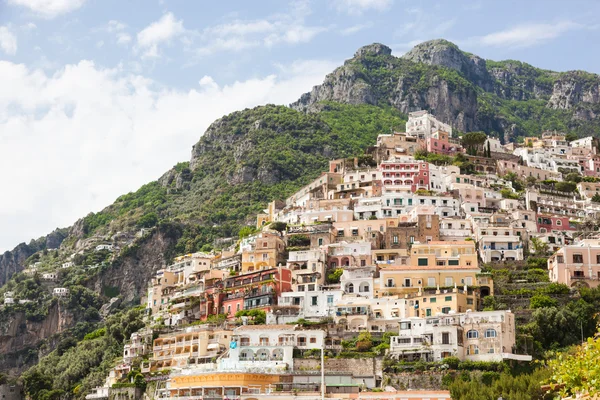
x=577, y=264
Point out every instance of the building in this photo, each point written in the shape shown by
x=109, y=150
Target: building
x=60, y=292
x=267, y=251
x=440, y=142
x=421, y=124
x=400, y=174
x=473, y=336
x=577, y=264
x=191, y=347
x=269, y=346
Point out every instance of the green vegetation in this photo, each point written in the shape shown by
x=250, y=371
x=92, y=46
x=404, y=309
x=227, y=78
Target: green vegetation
x=81, y=365
x=257, y=317
x=577, y=371
x=493, y=385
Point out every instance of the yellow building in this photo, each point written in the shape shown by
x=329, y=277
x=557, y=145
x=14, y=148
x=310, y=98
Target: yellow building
x=221, y=384
x=431, y=303
x=268, y=251
x=444, y=254
x=194, y=346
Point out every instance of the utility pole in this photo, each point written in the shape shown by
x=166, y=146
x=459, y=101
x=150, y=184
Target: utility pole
x=323, y=371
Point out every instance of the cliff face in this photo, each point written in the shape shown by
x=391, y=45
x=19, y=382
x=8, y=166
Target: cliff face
x=464, y=90
x=13, y=261
x=129, y=275
x=19, y=336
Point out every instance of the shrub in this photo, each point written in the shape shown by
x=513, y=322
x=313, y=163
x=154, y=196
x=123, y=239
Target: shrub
x=542, y=301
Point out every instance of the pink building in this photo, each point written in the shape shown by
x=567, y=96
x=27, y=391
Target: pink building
x=404, y=174
x=441, y=143
x=553, y=223
x=577, y=264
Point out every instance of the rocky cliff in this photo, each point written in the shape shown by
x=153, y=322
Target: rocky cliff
x=13, y=261
x=465, y=90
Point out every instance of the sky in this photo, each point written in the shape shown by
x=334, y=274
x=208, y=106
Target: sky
x=98, y=97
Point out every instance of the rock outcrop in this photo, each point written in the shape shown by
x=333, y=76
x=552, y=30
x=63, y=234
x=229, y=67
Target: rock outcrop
x=461, y=89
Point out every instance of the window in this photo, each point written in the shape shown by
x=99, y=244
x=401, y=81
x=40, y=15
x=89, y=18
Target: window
x=320, y=241
x=432, y=299
x=313, y=340
x=598, y=259
x=412, y=239
x=237, y=307
x=490, y=333
x=445, y=310
x=445, y=337
x=395, y=239
x=407, y=282
x=329, y=300
x=558, y=222
x=422, y=261
x=577, y=259
x=448, y=281
x=560, y=259
x=472, y=349
x=314, y=300
x=431, y=282
x=472, y=334
x=448, y=298
x=428, y=312
x=469, y=301
x=452, y=262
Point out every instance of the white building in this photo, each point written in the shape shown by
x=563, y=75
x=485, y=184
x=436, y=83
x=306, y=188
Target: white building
x=269, y=347
x=9, y=298
x=68, y=264
x=421, y=124
x=309, y=305
x=473, y=336
x=358, y=280
x=101, y=247
x=60, y=292
x=49, y=276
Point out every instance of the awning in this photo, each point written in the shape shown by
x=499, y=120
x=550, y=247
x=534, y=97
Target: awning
x=212, y=346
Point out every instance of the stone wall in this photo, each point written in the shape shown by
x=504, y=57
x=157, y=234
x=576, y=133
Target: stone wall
x=424, y=381
x=11, y=392
x=128, y=393
x=357, y=367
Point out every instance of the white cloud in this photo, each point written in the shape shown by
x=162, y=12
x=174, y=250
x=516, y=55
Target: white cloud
x=360, y=6
x=351, y=30
x=75, y=140
x=49, y=8
x=163, y=30
x=118, y=28
x=294, y=35
x=236, y=35
x=8, y=41
x=526, y=35
x=30, y=26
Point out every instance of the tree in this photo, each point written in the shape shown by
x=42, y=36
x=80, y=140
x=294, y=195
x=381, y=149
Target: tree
x=278, y=226
x=596, y=198
x=539, y=248
x=246, y=231
x=473, y=142
x=489, y=150
x=565, y=186
x=148, y=221
x=576, y=372
x=573, y=177
x=541, y=301
x=569, y=137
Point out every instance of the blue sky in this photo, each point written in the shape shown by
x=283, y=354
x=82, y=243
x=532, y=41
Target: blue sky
x=101, y=96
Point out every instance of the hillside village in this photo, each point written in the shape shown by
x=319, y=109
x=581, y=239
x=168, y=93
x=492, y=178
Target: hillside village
x=389, y=262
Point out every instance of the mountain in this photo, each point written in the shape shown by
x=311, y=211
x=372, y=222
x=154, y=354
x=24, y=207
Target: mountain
x=251, y=157
x=506, y=98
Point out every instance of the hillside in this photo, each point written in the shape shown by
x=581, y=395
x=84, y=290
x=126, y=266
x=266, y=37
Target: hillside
x=507, y=98
x=251, y=157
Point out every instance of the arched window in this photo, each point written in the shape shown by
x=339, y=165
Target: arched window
x=558, y=222
x=472, y=334
x=350, y=288
x=472, y=349
x=490, y=333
